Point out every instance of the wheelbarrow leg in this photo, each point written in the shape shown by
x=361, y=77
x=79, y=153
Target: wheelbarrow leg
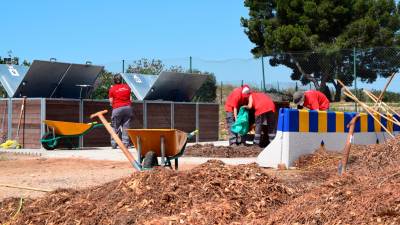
x=139, y=149
x=176, y=164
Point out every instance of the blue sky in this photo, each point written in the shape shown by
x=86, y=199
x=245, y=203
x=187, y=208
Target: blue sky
x=105, y=32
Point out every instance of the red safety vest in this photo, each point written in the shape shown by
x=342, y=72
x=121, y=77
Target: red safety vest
x=262, y=103
x=315, y=100
x=235, y=99
x=121, y=95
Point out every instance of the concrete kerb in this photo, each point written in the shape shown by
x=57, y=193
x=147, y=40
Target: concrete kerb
x=106, y=153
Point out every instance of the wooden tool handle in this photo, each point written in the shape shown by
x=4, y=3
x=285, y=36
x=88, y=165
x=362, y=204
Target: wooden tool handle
x=110, y=130
x=98, y=114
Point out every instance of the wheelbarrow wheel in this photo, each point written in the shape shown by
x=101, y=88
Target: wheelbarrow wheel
x=50, y=143
x=150, y=160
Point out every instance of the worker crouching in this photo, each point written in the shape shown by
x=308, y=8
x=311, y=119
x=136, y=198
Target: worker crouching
x=264, y=109
x=237, y=98
x=313, y=100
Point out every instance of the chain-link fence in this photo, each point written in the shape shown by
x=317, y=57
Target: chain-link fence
x=284, y=73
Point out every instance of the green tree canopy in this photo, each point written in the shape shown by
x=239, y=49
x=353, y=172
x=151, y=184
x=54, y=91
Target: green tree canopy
x=102, y=85
x=311, y=37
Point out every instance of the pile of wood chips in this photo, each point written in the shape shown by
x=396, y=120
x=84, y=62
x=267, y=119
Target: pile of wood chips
x=246, y=194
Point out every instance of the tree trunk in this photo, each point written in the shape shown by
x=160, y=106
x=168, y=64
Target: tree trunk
x=306, y=75
x=338, y=91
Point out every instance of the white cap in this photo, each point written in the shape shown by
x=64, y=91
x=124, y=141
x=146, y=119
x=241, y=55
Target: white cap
x=246, y=90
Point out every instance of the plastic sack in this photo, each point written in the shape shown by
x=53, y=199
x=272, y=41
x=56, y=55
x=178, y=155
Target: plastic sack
x=241, y=125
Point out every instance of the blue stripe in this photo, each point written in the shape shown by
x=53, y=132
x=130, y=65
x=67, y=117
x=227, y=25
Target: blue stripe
x=396, y=127
x=331, y=121
x=313, y=121
x=293, y=121
x=371, y=124
x=347, y=119
x=384, y=123
x=280, y=120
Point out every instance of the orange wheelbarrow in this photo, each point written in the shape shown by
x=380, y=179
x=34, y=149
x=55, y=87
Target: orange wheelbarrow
x=169, y=144
x=57, y=130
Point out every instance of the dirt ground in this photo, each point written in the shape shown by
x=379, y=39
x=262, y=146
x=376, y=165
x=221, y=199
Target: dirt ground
x=210, y=150
x=50, y=174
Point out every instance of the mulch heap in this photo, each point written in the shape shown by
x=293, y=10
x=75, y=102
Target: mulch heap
x=210, y=193
x=209, y=150
x=369, y=193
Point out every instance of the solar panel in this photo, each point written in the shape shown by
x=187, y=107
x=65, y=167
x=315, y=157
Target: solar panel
x=56, y=80
x=139, y=83
x=11, y=77
x=77, y=81
x=172, y=86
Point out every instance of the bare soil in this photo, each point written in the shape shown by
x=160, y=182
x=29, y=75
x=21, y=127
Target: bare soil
x=210, y=150
x=50, y=174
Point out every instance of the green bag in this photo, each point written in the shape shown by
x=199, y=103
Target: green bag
x=241, y=125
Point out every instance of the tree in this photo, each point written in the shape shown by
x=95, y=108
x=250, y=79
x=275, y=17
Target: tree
x=146, y=66
x=311, y=37
x=154, y=67
x=102, y=85
x=208, y=91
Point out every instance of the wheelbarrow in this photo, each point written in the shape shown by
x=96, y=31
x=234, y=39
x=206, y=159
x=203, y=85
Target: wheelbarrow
x=57, y=130
x=169, y=144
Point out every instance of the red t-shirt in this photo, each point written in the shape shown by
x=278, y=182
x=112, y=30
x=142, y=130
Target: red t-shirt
x=315, y=100
x=235, y=99
x=121, y=95
x=262, y=103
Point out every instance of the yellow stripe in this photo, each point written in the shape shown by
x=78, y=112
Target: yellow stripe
x=364, y=122
x=390, y=123
x=322, y=121
x=339, y=122
x=377, y=126
x=304, y=121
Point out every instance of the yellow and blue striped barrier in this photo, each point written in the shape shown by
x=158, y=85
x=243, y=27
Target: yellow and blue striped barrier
x=293, y=120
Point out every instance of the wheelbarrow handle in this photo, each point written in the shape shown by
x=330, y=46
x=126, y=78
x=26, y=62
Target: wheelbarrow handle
x=193, y=133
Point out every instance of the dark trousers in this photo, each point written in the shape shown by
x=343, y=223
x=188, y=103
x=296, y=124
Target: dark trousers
x=120, y=121
x=230, y=120
x=233, y=137
x=265, y=129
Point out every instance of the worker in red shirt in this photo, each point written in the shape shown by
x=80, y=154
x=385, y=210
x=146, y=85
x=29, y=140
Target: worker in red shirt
x=313, y=100
x=237, y=98
x=264, y=109
x=120, y=100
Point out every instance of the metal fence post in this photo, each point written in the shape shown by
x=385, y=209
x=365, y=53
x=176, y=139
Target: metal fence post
x=42, y=116
x=81, y=121
x=9, y=116
x=221, y=93
x=172, y=115
x=355, y=77
x=144, y=114
x=197, y=122
x=263, y=73
x=190, y=64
